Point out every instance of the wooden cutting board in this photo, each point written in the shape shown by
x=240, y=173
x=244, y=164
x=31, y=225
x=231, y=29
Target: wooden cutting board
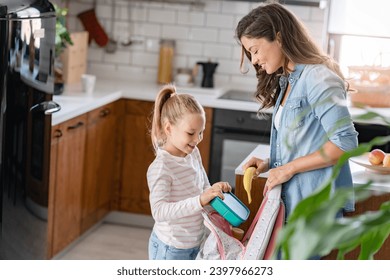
x=376, y=100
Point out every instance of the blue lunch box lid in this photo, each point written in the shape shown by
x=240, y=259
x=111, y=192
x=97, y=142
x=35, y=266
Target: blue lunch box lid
x=231, y=208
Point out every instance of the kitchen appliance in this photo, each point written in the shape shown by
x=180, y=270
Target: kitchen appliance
x=235, y=135
x=27, y=36
x=208, y=73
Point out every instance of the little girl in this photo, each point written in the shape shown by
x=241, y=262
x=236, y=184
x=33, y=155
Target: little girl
x=178, y=184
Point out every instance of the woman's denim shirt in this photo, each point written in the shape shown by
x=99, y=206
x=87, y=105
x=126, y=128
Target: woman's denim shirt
x=309, y=119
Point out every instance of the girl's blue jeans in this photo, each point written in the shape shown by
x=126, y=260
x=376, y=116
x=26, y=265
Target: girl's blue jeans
x=158, y=250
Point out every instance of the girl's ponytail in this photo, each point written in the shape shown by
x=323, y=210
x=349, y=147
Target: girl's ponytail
x=157, y=131
x=170, y=107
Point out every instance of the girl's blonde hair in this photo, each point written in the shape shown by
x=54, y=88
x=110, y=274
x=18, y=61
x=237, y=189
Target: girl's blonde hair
x=170, y=107
x=273, y=21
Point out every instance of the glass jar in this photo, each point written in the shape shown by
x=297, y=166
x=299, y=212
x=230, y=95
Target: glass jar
x=165, y=64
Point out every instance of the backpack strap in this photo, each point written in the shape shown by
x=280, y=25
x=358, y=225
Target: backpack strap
x=260, y=231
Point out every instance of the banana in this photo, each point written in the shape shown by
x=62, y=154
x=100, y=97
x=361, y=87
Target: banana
x=248, y=176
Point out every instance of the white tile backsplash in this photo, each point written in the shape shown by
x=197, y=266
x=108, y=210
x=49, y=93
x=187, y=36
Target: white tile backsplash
x=216, y=51
x=119, y=57
x=226, y=36
x=235, y=7
x=144, y=59
x=201, y=33
x=191, y=18
x=175, y=32
x=147, y=29
x=206, y=35
x=189, y=48
x=162, y=16
x=218, y=20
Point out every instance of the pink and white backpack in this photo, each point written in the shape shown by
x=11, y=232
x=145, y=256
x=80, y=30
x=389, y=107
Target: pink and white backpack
x=258, y=242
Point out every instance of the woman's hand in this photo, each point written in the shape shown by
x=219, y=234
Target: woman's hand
x=215, y=190
x=260, y=164
x=277, y=176
x=324, y=157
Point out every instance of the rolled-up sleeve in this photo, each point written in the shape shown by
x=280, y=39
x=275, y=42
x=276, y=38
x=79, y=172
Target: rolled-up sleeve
x=324, y=92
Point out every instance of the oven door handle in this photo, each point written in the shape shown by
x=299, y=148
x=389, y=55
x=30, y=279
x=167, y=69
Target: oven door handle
x=47, y=107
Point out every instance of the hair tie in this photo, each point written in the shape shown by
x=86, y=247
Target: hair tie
x=173, y=94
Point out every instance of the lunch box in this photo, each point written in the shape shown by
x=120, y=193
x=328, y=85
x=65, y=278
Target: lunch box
x=231, y=208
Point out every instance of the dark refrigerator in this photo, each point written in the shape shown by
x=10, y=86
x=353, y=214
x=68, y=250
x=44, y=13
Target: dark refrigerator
x=27, y=38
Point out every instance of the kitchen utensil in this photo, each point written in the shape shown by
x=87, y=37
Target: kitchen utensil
x=231, y=208
x=363, y=161
x=112, y=44
x=91, y=24
x=128, y=41
x=208, y=73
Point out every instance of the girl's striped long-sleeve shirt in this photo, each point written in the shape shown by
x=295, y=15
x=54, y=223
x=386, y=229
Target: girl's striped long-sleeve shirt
x=175, y=184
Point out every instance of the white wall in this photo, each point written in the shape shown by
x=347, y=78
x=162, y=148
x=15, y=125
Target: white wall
x=200, y=33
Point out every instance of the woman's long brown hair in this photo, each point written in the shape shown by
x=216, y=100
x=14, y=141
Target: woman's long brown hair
x=272, y=21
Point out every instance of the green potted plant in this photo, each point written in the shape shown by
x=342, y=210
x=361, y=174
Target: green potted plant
x=62, y=40
x=312, y=230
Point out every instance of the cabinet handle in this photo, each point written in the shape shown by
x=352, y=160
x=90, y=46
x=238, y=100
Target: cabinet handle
x=75, y=126
x=57, y=133
x=104, y=113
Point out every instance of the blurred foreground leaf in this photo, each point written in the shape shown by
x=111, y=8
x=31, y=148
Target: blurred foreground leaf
x=312, y=229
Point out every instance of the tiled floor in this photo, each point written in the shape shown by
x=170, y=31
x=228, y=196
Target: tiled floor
x=111, y=242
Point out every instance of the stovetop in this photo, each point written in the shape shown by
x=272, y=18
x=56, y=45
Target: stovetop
x=239, y=95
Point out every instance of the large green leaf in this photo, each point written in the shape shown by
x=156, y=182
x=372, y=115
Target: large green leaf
x=312, y=229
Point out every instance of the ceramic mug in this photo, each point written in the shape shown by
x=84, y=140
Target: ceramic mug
x=183, y=79
x=88, y=83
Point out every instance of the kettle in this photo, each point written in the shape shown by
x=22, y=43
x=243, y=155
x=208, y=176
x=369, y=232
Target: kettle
x=208, y=73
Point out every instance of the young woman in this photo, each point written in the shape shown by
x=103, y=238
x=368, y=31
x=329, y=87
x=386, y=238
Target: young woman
x=310, y=129
x=178, y=184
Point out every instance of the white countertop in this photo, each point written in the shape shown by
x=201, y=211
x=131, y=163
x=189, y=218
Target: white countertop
x=360, y=176
x=74, y=102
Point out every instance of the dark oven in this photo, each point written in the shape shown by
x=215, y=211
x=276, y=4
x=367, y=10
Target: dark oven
x=235, y=134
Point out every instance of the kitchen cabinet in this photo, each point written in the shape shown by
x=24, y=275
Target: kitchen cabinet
x=138, y=153
x=66, y=181
x=257, y=197
x=371, y=204
x=205, y=145
x=101, y=165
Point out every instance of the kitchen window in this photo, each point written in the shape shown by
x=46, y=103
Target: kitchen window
x=359, y=36
x=359, y=39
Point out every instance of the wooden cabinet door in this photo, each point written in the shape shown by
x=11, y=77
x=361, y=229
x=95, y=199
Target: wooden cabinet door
x=68, y=142
x=109, y=163
x=257, y=197
x=137, y=155
x=204, y=146
x=101, y=164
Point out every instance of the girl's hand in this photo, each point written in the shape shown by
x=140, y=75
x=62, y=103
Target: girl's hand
x=215, y=190
x=260, y=164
